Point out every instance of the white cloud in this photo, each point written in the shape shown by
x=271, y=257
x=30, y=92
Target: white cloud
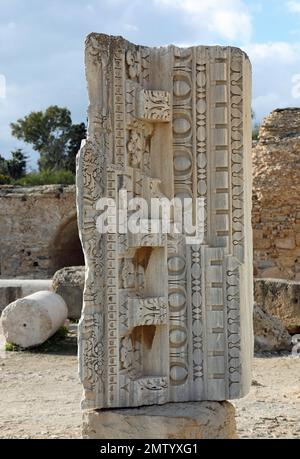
x=274, y=64
x=232, y=24
x=42, y=52
x=131, y=27
x=264, y=104
x=228, y=19
x=282, y=52
x=293, y=7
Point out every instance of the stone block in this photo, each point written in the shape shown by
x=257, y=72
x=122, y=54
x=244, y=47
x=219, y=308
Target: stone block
x=69, y=283
x=269, y=333
x=199, y=420
x=280, y=298
x=166, y=317
x=286, y=243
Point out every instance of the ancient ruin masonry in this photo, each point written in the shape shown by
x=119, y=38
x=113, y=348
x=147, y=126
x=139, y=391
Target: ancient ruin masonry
x=39, y=234
x=276, y=190
x=166, y=317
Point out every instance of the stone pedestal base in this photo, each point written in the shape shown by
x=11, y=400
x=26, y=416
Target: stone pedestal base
x=194, y=420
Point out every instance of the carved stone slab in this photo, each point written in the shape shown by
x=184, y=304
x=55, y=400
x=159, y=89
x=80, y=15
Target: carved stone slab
x=164, y=319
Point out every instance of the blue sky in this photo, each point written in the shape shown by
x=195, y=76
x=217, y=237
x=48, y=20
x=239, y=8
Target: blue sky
x=41, y=47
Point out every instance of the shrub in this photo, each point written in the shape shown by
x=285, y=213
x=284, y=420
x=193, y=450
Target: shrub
x=4, y=179
x=255, y=132
x=47, y=177
x=48, y=346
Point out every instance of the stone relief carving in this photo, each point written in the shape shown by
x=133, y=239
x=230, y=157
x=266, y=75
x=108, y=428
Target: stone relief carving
x=154, y=106
x=130, y=357
x=165, y=320
x=148, y=311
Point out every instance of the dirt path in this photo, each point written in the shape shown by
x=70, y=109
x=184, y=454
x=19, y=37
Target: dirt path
x=40, y=396
x=272, y=408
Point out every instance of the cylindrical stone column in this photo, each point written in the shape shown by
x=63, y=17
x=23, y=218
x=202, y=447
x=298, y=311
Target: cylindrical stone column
x=31, y=320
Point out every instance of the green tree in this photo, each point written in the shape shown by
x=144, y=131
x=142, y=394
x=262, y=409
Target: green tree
x=17, y=165
x=51, y=133
x=77, y=133
x=255, y=131
x=255, y=126
x=3, y=166
x=4, y=178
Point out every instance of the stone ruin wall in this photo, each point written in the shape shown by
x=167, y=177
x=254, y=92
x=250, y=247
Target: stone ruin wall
x=38, y=231
x=276, y=191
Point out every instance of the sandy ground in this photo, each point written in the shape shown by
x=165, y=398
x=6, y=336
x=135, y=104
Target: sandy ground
x=40, y=396
x=272, y=408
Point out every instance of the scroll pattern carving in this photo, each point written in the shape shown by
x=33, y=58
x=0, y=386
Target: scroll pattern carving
x=233, y=327
x=236, y=88
x=149, y=390
x=90, y=165
x=149, y=311
x=130, y=357
x=138, y=146
x=92, y=352
x=138, y=63
x=133, y=61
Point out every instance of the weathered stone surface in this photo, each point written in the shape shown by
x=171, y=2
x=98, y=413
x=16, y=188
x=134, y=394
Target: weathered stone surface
x=269, y=333
x=38, y=230
x=276, y=191
x=13, y=289
x=280, y=298
x=32, y=320
x=199, y=420
x=166, y=317
x=69, y=283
